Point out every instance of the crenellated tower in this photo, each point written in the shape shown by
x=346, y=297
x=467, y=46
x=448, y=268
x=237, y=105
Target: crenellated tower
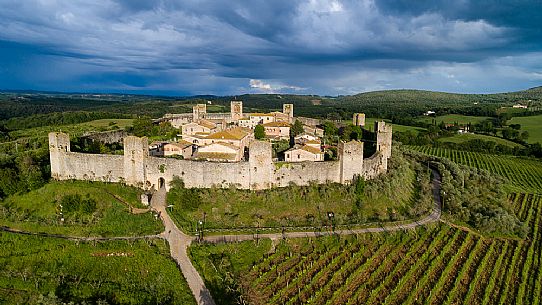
x=288, y=109
x=136, y=153
x=383, y=138
x=199, y=111
x=236, y=108
x=358, y=119
x=351, y=160
x=59, y=145
x=261, y=164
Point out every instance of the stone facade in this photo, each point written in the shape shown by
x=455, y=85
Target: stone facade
x=137, y=168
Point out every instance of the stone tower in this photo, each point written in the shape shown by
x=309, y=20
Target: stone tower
x=358, y=119
x=59, y=145
x=288, y=109
x=383, y=138
x=136, y=152
x=236, y=110
x=351, y=160
x=261, y=165
x=199, y=112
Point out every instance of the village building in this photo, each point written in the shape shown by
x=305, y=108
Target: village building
x=277, y=130
x=182, y=148
x=304, y=137
x=313, y=130
x=219, y=152
x=300, y=153
x=156, y=148
x=199, y=127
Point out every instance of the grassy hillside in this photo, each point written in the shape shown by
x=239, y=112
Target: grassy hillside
x=38, y=270
x=100, y=210
x=531, y=124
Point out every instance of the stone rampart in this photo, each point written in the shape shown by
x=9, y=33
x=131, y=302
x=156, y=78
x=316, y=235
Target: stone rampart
x=107, y=137
x=137, y=168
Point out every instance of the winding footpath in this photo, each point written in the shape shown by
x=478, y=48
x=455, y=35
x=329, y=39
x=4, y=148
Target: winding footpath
x=178, y=245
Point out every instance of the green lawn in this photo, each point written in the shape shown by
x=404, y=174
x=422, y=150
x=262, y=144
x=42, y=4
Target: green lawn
x=531, y=124
x=369, y=125
x=460, y=138
x=40, y=270
x=39, y=211
x=121, y=123
x=395, y=196
x=453, y=118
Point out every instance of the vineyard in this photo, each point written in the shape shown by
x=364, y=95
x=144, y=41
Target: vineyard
x=433, y=265
x=523, y=173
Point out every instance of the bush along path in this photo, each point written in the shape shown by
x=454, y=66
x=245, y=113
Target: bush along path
x=433, y=217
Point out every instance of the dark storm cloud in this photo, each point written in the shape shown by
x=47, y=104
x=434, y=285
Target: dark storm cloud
x=230, y=47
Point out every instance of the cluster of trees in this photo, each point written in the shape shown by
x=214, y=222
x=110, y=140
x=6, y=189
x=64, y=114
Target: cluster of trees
x=59, y=118
x=476, y=198
x=145, y=127
x=23, y=172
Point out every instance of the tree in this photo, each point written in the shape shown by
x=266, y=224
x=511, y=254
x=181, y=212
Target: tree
x=297, y=128
x=259, y=132
x=330, y=129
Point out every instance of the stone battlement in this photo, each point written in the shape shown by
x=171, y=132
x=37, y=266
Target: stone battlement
x=139, y=169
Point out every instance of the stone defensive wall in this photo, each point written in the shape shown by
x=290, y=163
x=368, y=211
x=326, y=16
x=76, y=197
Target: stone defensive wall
x=139, y=169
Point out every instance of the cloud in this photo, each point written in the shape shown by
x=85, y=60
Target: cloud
x=312, y=46
x=272, y=88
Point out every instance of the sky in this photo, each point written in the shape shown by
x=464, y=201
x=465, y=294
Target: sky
x=334, y=47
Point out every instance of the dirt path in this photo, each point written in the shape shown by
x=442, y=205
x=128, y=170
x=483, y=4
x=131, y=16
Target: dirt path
x=178, y=244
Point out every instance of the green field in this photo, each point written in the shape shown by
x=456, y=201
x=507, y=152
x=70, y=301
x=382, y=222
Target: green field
x=531, y=124
x=107, y=123
x=38, y=270
x=369, y=125
x=453, y=118
x=523, y=174
x=403, y=194
x=460, y=138
x=39, y=211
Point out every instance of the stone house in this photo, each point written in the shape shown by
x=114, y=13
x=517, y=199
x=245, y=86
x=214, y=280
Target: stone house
x=156, y=148
x=236, y=136
x=182, y=148
x=303, y=153
x=277, y=130
x=304, y=137
x=199, y=127
x=219, y=152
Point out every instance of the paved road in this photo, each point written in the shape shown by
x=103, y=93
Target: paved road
x=433, y=217
x=178, y=244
